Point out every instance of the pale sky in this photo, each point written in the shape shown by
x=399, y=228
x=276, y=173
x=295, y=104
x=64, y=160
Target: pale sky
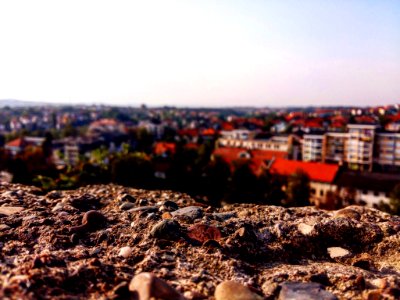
x=201, y=53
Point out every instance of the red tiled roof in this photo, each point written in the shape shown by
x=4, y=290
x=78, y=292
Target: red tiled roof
x=162, y=147
x=257, y=157
x=104, y=122
x=208, y=131
x=15, y=143
x=366, y=119
x=316, y=171
x=188, y=132
x=191, y=146
x=337, y=124
x=227, y=126
x=228, y=154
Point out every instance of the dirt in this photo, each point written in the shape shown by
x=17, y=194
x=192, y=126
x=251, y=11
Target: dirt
x=89, y=244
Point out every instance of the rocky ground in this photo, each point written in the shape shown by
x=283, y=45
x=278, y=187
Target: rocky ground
x=111, y=242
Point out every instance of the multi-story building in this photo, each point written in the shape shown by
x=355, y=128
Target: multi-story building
x=334, y=148
x=387, y=150
x=275, y=143
x=360, y=146
x=237, y=134
x=312, y=147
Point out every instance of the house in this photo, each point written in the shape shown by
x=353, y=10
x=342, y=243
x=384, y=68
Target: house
x=164, y=149
x=322, y=176
x=106, y=126
x=257, y=158
x=19, y=144
x=237, y=134
x=367, y=188
x=312, y=147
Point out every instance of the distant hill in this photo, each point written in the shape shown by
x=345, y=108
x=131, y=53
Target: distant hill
x=20, y=103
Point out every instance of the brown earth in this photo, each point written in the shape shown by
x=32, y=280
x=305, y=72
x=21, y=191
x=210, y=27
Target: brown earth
x=89, y=244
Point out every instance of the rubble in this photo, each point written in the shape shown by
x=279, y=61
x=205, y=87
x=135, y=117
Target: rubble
x=80, y=244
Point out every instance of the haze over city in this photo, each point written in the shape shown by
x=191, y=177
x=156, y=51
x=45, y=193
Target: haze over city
x=201, y=53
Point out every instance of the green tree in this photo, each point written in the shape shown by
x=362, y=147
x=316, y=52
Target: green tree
x=271, y=188
x=244, y=185
x=134, y=169
x=395, y=200
x=217, y=174
x=298, y=189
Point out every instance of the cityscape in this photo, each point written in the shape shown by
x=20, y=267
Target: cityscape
x=200, y=150
x=349, y=155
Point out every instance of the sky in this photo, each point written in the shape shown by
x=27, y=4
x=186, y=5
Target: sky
x=201, y=53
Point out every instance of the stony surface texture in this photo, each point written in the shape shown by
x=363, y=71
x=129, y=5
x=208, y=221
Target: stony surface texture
x=85, y=244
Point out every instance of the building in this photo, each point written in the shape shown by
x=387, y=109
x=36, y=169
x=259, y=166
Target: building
x=322, y=176
x=258, y=159
x=312, y=147
x=19, y=144
x=237, y=134
x=71, y=154
x=275, y=143
x=387, y=151
x=334, y=147
x=367, y=188
x=360, y=146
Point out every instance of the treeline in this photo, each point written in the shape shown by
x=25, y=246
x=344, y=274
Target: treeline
x=188, y=170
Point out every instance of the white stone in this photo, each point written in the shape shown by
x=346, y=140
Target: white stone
x=305, y=228
x=10, y=210
x=125, y=251
x=335, y=252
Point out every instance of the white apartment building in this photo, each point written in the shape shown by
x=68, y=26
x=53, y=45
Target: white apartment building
x=275, y=143
x=360, y=146
x=312, y=147
x=334, y=147
x=238, y=134
x=387, y=149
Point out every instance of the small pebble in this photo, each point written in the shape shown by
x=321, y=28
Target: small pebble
x=189, y=212
x=126, y=205
x=125, y=251
x=305, y=229
x=348, y=213
x=335, y=252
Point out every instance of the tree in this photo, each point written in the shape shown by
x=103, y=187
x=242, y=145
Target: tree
x=47, y=146
x=217, y=174
x=395, y=200
x=298, y=189
x=134, y=169
x=69, y=131
x=244, y=185
x=271, y=188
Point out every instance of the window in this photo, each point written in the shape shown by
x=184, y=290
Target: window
x=321, y=192
x=376, y=193
x=313, y=191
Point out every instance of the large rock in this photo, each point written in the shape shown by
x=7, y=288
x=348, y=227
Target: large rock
x=146, y=286
x=231, y=290
x=304, y=291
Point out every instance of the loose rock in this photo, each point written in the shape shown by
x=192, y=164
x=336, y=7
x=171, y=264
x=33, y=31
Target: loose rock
x=304, y=291
x=336, y=252
x=125, y=251
x=231, y=290
x=10, y=210
x=191, y=213
x=126, y=205
x=146, y=286
x=167, y=229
